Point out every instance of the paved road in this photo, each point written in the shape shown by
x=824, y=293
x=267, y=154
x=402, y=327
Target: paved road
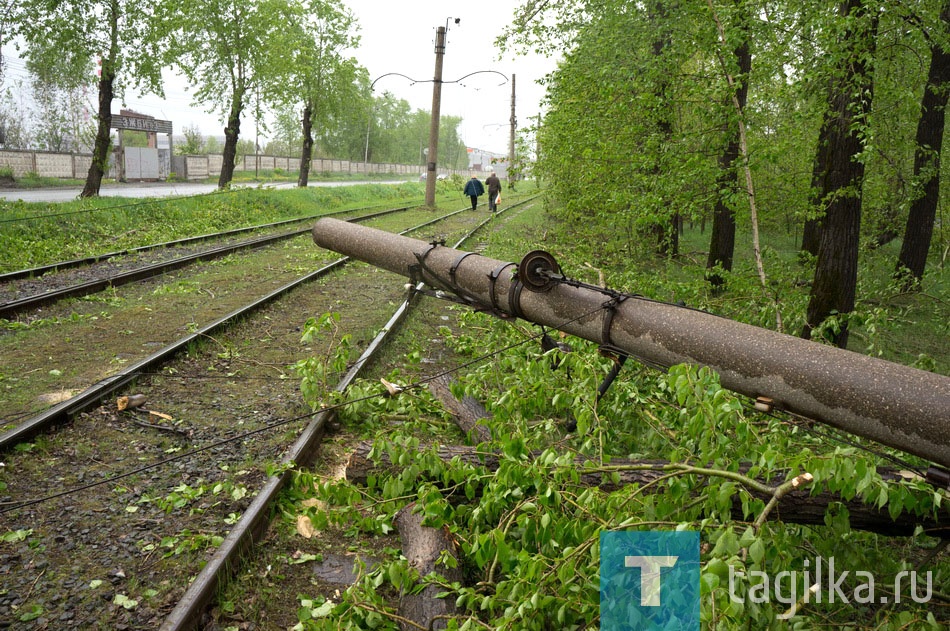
x=145, y=189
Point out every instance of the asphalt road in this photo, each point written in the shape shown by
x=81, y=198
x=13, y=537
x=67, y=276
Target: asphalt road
x=144, y=189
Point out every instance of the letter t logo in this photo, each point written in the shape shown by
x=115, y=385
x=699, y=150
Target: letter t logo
x=650, y=567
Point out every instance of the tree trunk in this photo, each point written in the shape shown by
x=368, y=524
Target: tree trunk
x=800, y=506
x=722, y=243
x=811, y=232
x=841, y=179
x=423, y=546
x=103, y=144
x=306, y=153
x=467, y=412
x=666, y=234
x=231, y=134
x=811, y=235
x=930, y=126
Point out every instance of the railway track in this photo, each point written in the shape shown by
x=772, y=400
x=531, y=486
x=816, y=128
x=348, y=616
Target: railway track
x=188, y=478
x=144, y=262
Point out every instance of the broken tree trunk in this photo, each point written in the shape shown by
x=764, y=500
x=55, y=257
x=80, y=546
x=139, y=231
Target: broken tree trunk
x=467, y=412
x=797, y=507
x=423, y=546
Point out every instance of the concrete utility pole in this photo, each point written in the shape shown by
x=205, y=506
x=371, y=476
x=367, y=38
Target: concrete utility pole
x=898, y=406
x=511, y=138
x=433, y=153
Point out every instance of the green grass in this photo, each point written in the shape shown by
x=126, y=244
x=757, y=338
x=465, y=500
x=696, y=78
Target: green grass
x=34, y=234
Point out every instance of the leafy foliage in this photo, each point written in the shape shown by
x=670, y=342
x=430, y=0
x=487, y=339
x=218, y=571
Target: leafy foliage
x=528, y=528
x=640, y=108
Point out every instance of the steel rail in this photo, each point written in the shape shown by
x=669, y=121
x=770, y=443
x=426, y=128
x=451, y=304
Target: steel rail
x=97, y=393
x=898, y=406
x=14, y=307
x=34, y=272
x=187, y=614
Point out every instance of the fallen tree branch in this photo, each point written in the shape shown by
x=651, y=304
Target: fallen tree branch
x=797, y=506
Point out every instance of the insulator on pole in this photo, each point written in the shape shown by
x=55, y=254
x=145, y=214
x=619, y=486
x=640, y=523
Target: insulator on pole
x=896, y=405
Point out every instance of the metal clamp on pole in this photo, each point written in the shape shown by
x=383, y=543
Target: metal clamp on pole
x=514, y=298
x=492, y=278
x=458, y=262
x=610, y=308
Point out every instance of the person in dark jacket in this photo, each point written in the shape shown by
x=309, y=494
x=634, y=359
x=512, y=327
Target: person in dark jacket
x=474, y=188
x=494, y=188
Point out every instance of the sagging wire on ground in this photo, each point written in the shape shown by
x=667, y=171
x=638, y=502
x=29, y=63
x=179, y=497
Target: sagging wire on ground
x=12, y=506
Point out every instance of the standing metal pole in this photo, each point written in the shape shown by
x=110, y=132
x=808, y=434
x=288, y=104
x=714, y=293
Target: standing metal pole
x=902, y=407
x=511, y=138
x=432, y=155
x=369, y=121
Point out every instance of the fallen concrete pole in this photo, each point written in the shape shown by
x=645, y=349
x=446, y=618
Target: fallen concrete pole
x=898, y=406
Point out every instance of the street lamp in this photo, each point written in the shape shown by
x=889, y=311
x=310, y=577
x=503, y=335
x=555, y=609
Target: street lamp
x=433, y=151
x=369, y=119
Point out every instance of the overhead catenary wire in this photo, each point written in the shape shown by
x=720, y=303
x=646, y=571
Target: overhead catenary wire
x=243, y=435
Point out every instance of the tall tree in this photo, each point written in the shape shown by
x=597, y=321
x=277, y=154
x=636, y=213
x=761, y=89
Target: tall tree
x=71, y=33
x=607, y=141
x=321, y=78
x=658, y=19
x=722, y=243
x=930, y=127
x=229, y=50
x=839, y=169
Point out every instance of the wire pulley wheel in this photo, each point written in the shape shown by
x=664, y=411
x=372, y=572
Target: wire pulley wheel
x=538, y=270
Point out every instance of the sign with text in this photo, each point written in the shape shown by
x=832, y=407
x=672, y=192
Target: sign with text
x=649, y=581
x=138, y=123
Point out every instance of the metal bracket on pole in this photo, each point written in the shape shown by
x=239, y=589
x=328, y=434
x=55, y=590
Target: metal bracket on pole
x=492, y=278
x=514, y=297
x=458, y=262
x=619, y=357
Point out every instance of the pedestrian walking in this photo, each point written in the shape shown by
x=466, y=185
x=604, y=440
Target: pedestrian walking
x=474, y=188
x=493, y=184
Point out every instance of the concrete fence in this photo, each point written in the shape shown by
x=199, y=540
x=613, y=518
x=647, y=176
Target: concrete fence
x=194, y=167
x=64, y=165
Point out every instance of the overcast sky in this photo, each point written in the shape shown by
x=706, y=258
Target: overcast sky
x=399, y=36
